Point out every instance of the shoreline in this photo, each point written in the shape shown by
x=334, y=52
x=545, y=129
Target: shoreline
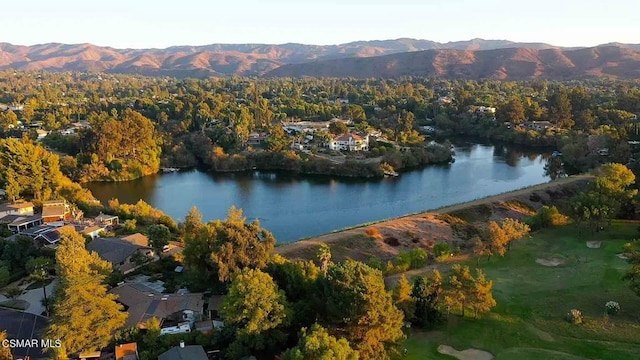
x=408, y=223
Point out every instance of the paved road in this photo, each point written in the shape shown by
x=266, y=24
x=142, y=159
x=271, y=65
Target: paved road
x=21, y=325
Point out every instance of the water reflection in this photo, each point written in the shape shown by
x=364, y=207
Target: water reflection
x=294, y=207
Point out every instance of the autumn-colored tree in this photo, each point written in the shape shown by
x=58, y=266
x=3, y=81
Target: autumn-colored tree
x=318, y=344
x=481, y=295
x=514, y=230
x=403, y=299
x=81, y=292
x=463, y=290
x=5, y=351
x=496, y=239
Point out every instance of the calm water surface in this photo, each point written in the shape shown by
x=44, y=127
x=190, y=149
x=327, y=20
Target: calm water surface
x=295, y=207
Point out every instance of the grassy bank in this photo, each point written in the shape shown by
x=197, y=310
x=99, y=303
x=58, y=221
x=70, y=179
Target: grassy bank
x=354, y=243
x=529, y=321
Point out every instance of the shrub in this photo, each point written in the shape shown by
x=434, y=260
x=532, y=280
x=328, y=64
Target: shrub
x=547, y=216
x=373, y=232
x=376, y=263
x=574, y=316
x=441, y=249
x=611, y=307
x=412, y=259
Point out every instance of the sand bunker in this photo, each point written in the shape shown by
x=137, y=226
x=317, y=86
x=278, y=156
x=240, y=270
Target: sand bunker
x=469, y=354
x=594, y=244
x=623, y=256
x=551, y=262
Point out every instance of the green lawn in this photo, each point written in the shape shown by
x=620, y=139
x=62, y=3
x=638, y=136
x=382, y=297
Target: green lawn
x=528, y=322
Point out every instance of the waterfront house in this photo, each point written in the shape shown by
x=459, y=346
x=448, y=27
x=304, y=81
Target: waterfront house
x=350, y=142
x=107, y=220
x=537, y=125
x=20, y=208
x=123, y=255
x=257, y=138
x=20, y=223
x=92, y=231
x=55, y=211
x=137, y=239
x=171, y=309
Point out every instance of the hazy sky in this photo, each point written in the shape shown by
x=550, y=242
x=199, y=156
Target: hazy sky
x=145, y=23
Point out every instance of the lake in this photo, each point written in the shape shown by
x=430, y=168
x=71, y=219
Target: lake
x=295, y=207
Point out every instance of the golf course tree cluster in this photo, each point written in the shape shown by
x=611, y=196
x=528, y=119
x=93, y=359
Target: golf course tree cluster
x=430, y=296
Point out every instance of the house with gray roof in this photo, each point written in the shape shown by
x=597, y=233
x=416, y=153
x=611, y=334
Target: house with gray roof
x=142, y=304
x=184, y=352
x=123, y=255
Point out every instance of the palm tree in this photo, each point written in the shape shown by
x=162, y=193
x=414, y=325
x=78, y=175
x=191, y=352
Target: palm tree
x=40, y=268
x=324, y=255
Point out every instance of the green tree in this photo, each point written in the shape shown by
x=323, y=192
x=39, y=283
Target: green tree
x=338, y=128
x=255, y=307
x=192, y=223
x=427, y=291
x=159, y=236
x=222, y=248
x=512, y=111
x=278, y=139
x=632, y=250
x=560, y=111
x=547, y=216
x=5, y=275
x=356, y=301
x=318, y=344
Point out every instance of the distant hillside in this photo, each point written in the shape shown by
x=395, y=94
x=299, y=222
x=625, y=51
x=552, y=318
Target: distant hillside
x=474, y=58
x=504, y=64
x=215, y=59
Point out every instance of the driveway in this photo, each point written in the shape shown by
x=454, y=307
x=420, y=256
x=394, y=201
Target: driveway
x=23, y=326
x=34, y=297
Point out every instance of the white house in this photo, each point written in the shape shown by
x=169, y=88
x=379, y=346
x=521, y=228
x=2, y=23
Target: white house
x=350, y=142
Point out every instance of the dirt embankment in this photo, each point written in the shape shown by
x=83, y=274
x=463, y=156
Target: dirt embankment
x=452, y=224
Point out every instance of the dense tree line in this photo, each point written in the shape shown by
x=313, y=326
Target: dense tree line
x=187, y=118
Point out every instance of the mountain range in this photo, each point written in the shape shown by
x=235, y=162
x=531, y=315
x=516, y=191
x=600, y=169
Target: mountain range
x=476, y=58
